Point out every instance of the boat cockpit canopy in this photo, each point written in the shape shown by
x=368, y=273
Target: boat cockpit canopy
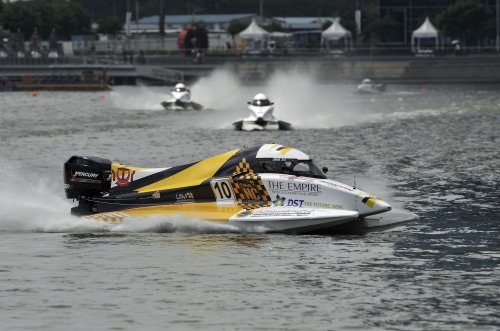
x=261, y=102
x=303, y=168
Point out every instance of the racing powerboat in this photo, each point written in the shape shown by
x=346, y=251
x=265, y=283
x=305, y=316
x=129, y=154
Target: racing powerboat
x=261, y=116
x=367, y=86
x=181, y=99
x=270, y=187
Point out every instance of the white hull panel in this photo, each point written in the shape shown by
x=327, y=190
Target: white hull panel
x=252, y=125
x=291, y=220
x=377, y=222
x=180, y=106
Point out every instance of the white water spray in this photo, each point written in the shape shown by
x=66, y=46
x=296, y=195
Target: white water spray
x=298, y=98
x=30, y=203
x=301, y=100
x=140, y=98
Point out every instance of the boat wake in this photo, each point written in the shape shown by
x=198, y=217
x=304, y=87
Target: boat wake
x=303, y=101
x=299, y=99
x=139, y=98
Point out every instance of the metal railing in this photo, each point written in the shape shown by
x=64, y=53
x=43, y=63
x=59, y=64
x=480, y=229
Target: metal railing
x=86, y=56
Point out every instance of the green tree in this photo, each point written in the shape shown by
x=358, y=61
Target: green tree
x=70, y=18
x=20, y=15
x=67, y=18
x=274, y=26
x=382, y=29
x=369, y=14
x=236, y=26
x=326, y=25
x=110, y=25
x=349, y=24
x=469, y=20
x=314, y=8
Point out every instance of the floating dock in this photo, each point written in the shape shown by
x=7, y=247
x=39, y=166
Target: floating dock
x=83, y=77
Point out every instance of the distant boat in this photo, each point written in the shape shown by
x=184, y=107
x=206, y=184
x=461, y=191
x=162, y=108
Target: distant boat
x=261, y=117
x=367, y=86
x=181, y=99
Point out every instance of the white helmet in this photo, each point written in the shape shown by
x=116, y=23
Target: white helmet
x=261, y=100
x=180, y=87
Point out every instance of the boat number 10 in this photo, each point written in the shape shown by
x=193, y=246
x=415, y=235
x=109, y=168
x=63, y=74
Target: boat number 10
x=222, y=190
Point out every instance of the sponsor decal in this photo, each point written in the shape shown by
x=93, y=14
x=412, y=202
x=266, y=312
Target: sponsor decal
x=244, y=213
x=279, y=201
x=250, y=192
x=248, y=187
x=282, y=201
x=298, y=187
x=322, y=205
x=85, y=174
x=156, y=195
x=280, y=213
x=123, y=176
x=294, y=188
x=184, y=196
x=295, y=203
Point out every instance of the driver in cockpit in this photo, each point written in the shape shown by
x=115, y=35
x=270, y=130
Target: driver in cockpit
x=181, y=88
x=293, y=167
x=261, y=100
x=276, y=167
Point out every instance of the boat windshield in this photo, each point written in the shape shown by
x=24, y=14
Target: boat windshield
x=261, y=102
x=304, y=168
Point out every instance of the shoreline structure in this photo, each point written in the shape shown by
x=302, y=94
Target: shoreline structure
x=169, y=70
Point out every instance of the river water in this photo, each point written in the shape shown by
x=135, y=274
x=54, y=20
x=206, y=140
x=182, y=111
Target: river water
x=433, y=150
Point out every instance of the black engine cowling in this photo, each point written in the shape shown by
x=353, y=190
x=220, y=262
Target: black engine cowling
x=86, y=177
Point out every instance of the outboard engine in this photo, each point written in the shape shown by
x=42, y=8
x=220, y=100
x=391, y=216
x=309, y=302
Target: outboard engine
x=86, y=177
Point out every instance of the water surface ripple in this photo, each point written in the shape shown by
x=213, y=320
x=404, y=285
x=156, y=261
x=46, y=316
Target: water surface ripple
x=433, y=151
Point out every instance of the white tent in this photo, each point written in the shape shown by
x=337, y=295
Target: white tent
x=253, y=31
x=425, y=31
x=336, y=32
x=254, y=38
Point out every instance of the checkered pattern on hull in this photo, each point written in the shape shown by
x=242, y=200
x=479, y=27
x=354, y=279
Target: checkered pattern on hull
x=248, y=187
x=243, y=168
x=113, y=217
